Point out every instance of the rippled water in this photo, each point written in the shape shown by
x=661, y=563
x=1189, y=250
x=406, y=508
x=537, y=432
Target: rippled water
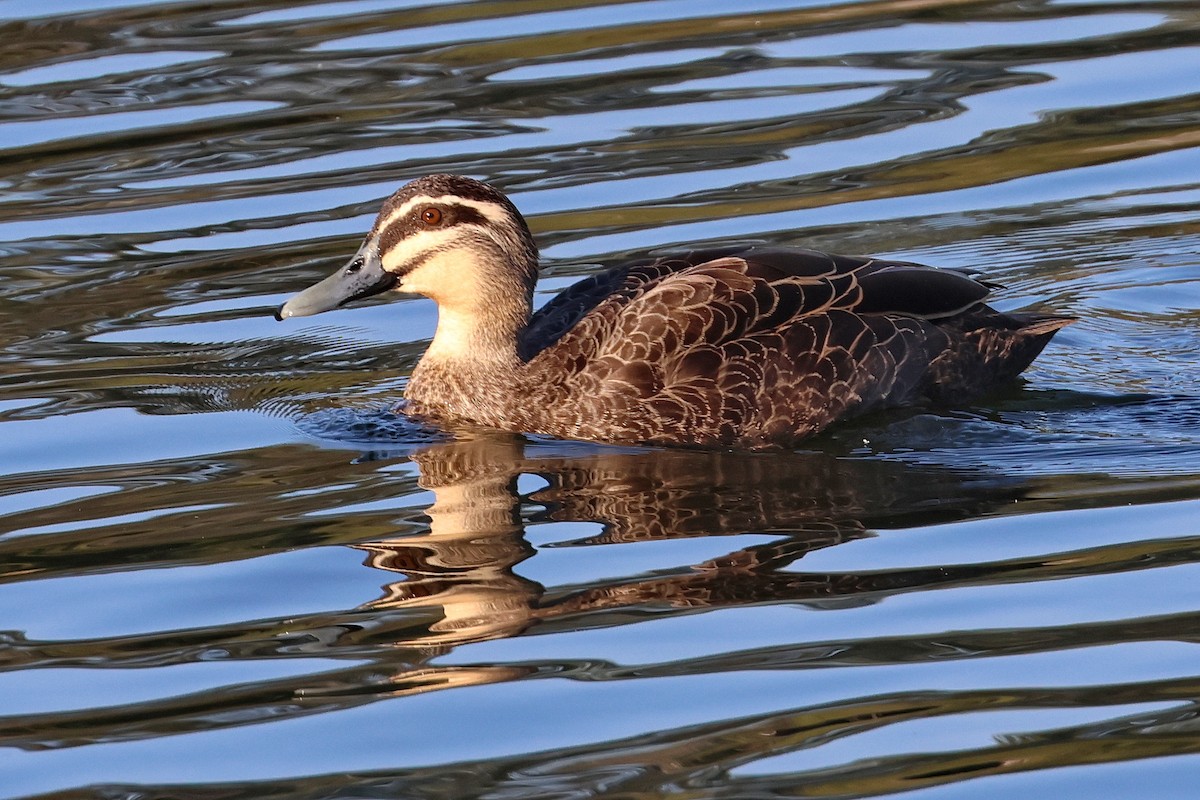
x=230, y=572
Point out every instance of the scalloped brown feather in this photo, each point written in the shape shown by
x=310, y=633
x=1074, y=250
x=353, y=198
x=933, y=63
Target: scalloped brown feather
x=745, y=348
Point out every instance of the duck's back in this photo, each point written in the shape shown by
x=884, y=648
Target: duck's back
x=762, y=347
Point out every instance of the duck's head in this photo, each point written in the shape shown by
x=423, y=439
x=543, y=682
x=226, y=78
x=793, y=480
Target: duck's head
x=456, y=240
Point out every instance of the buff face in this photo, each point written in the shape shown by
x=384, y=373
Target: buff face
x=432, y=237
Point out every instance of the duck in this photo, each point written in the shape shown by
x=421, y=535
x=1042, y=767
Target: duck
x=736, y=347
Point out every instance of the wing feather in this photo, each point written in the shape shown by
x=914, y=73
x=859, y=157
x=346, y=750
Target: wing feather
x=747, y=345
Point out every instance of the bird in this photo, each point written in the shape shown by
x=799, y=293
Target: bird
x=737, y=347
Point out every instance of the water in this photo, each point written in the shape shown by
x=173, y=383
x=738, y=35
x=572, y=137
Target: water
x=229, y=571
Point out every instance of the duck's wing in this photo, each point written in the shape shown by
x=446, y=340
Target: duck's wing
x=645, y=312
x=773, y=345
x=805, y=280
x=569, y=306
x=867, y=285
x=753, y=288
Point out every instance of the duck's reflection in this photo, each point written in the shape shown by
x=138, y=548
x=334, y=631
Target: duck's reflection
x=464, y=565
x=454, y=569
x=465, y=562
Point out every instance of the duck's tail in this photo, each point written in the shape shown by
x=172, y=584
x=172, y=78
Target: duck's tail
x=1033, y=333
x=1041, y=324
x=994, y=348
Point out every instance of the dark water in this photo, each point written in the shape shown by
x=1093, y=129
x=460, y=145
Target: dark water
x=229, y=572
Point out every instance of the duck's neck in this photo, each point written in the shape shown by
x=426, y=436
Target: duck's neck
x=463, y=339
x=473, y=365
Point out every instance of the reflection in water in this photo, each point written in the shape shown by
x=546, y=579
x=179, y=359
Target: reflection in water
x=806, y=501
x=454, y=581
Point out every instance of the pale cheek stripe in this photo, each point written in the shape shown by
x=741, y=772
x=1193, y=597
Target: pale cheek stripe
x=408, y=250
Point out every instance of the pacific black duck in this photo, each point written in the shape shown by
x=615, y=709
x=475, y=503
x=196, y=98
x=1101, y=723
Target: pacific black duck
x=733, y=347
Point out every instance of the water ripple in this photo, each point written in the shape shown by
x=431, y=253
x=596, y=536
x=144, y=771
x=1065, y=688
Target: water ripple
x=228, y=560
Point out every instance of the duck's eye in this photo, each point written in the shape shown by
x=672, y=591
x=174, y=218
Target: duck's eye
x=431, y=216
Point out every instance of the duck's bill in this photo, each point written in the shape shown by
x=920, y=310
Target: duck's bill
x=361, y=278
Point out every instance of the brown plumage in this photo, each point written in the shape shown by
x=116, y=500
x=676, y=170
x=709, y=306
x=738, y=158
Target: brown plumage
x=724, y=348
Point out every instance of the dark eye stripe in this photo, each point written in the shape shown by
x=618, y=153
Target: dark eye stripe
x=456, y=213
x=408, y=225
x=411, y=223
